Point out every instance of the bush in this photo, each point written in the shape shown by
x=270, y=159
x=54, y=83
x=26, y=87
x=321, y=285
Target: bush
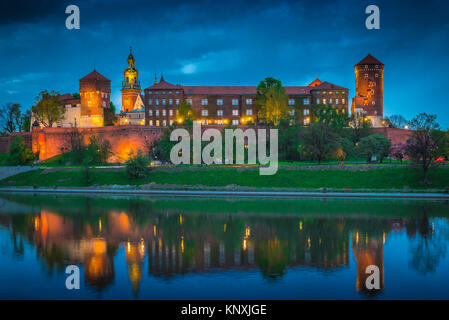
x=137, y=165
x=19, y=153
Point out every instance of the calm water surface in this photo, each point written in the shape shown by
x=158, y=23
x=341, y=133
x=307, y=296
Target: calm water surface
x=181, y=248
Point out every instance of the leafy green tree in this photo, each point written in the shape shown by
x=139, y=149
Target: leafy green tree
x=98, y=151
x=76, y=95
x=374, y=145
x=319, y=141
x=348, y=147
x=19, y=153
x=10, y=116
x=48, y=110
x=441, y=140
x=186, y=114
x=331, y=118
x=288, y=141
x=137, y=165
x=420, y=146
x=272, y=101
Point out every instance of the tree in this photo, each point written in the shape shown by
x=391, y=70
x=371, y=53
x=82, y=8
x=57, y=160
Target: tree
x=98, y=151
x=420, y=146
x=288, y=142
x=48, y=110
x=374, y=145
x=10, y=116
x=186, y=113
x=397, y=151
x=348, y=147
x=25, y=121
x=397, y=121
x=441, y=139
x=320, y=141
x=330, y=117
x=19, y=153
x=272, y=101
x=361, y=127
x=137, y=165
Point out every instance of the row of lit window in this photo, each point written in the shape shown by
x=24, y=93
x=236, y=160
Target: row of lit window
x=234, y=122
x=330, y=101
x=163, y=101
x=375, y=75
x=330, y=92
x=91, y=94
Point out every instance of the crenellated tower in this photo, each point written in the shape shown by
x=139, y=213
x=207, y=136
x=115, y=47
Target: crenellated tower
x=369, y=87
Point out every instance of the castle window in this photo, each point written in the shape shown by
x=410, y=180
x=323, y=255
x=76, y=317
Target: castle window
x=171, y=122
x=343, y=111
x=150, y=102
x=291, y=102
x=235, y=112
x=170, y=101
x=204, y=112
x=151, y=122
x=104, y=103
x=324, y=101
x=170, y=92
x=177, y=92
x=373, y=103
x=317, y=101
x=170, y=112
x=235, y=102
x=156, y=92
x=249, y=101
x=302, y=91
x=366, y=75
x=89, y=103
x=150, y=113
x=163, y=92
x=235, y=122
x=292, y=112
x=219, y=102
x=306, y=101
x=343, y=101
x=306, y=121
x=177, y=102
x=164, y=112
x=157, y=113
x=150, y=92
x=219, y=112
x=249, y=112
x=204, y=102
x=306, y=112
x=366, y=66
x=376, y=75
x=164, y=122
x=157, y=123
x=377, y=66
x=330, y=101
x=163, y=102
x=189, y=101
x=336, y=101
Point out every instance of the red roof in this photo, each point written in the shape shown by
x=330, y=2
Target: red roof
x=94, y=75
x=369, y=59
x=315, y=83
x=240, y=90
x=66, y=96
x=164, y=85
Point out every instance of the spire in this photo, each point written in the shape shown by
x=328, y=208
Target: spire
x=155, y=78
x=162, y=78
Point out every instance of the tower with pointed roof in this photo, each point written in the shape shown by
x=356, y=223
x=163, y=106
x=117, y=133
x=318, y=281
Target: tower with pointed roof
x=369, y=85
x=95, y=95
x=131, y=90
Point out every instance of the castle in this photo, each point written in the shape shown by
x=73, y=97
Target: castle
x=215, y=105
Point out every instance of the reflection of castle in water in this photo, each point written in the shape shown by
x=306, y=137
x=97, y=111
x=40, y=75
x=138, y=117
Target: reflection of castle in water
x=175, y=244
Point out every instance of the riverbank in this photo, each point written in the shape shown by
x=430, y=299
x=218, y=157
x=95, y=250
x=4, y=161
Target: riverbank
x=390, y=179
x=215, y=193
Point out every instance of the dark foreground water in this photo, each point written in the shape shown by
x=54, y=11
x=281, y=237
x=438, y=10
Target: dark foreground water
x=167, y=248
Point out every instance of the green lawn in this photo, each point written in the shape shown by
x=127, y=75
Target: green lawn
x=379, y=178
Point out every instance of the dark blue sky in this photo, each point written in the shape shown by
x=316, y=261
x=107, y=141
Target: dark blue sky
x=228, y=43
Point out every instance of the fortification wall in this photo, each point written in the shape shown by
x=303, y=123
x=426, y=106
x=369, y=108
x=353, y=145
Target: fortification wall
x=394, y=134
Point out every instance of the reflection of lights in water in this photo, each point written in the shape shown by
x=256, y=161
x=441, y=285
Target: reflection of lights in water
x=36, y=223
x=366, y=238
x=247, y=232
x=224, y=228
x=142, y=246
x=154, y=230
x=128, y=247
x=244, y=245
x=356, y=237
x=383, y=237
x=180, y=219
x=300, y=225
x=99, y=225
x=308, y=242
x=182, y=244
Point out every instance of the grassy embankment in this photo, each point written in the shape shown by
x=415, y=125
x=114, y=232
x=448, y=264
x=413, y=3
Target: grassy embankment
x=348, y=178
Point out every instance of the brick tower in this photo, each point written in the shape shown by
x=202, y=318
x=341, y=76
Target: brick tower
x=131, y=85
x=95, y=93
x=369, y=86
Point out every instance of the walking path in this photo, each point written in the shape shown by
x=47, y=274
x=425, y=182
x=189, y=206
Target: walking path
x=6, y=172
x=263, y=194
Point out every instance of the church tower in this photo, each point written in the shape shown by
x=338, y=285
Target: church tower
x=131, y=86
x=369, y=88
